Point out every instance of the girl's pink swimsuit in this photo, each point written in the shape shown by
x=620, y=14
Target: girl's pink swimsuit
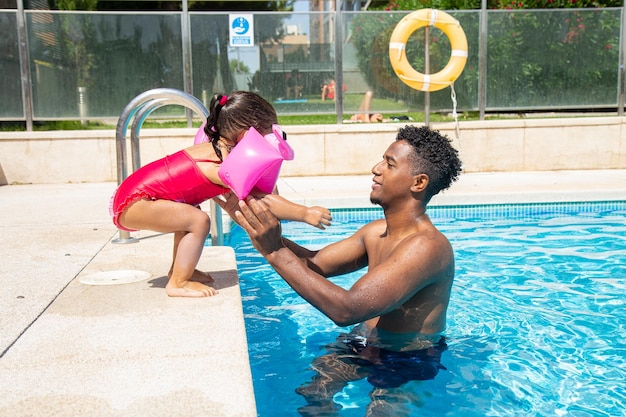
x=175, y=177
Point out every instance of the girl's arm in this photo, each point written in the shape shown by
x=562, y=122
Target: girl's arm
x=287, y=210
x=280, y=207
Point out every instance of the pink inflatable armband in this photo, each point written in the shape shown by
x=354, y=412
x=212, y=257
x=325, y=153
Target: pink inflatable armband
x=201, y=137
x=255, y=162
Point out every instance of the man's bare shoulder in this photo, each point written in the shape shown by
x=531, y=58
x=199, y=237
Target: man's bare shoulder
x=429, y=237
x=371, y=231
x=422, y=246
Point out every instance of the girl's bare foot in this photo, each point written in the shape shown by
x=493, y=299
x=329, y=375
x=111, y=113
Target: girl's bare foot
x=197, y=276
x=200, y=276
x=189, y=289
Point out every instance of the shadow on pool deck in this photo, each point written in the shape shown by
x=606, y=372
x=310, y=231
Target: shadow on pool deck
x=110, y=350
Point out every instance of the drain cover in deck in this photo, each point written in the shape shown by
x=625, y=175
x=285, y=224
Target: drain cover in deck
x=118, y=277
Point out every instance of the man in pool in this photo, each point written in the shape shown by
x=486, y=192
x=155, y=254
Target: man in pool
x=400, y=303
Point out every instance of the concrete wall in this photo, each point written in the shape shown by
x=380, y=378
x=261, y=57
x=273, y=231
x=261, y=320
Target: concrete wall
x=349, y=149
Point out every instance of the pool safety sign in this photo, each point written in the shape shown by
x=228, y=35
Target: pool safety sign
x=241, y=30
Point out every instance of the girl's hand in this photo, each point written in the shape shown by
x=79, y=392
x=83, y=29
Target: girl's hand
x=318, y=216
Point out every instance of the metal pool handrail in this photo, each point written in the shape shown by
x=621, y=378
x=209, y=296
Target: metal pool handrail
x=140, y=108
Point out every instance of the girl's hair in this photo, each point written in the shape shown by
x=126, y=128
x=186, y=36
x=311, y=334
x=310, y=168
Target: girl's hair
x=231, y=115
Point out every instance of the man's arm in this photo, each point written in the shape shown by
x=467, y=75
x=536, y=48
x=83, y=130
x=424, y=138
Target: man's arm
x=382, y=289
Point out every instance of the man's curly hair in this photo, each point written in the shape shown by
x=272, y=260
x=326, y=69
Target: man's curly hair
x=434, y=156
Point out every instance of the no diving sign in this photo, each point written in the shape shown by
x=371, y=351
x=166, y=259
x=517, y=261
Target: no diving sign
x=241, y=30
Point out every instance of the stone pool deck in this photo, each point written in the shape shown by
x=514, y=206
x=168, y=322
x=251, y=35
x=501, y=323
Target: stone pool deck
x=69, y=348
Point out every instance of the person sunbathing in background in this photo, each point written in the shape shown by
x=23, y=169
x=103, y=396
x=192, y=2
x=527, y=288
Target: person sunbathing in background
x=364, y=114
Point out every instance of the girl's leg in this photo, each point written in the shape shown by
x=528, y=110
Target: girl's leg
x=170, y=217
x=185, y=261
x=197, y=275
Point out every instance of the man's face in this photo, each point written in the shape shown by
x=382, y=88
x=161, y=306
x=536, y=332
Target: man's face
x=392, y=176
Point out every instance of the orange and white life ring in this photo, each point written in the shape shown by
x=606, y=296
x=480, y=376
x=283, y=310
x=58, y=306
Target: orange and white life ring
x=397, y=50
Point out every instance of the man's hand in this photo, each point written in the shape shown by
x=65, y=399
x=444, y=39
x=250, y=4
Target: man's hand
x=261, y=225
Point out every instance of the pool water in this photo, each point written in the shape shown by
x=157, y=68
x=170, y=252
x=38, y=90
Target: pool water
x=536, y=324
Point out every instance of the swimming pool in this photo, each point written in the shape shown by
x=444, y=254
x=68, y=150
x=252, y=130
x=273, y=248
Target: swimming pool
x=536, y=324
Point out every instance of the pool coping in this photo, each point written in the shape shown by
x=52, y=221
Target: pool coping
x=128, y=349
x=470, y=189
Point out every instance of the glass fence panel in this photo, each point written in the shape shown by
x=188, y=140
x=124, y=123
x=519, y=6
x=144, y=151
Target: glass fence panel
x=90, y=65
x=209, y=47
x=291, y=59
x=553, y=59
x=367, y=67
x=11, y=104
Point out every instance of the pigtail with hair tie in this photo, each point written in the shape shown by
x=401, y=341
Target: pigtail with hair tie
x=210, y=128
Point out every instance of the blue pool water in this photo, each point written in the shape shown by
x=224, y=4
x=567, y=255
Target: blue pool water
x=536, y=324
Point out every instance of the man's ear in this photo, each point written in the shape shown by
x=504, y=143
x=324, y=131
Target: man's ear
x=420, y=182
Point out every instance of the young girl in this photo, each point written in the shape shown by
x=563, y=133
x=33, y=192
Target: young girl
x=164, y=195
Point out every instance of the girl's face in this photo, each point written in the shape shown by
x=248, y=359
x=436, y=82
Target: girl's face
x=227, y=145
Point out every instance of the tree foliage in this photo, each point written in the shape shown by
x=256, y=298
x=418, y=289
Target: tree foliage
x=497, y=4
x=99, y=5
x=533, y=57
x=212, y=48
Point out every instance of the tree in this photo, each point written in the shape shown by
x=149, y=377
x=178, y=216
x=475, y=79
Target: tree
x=239, y=67
x=535, y=58
x=271, y=29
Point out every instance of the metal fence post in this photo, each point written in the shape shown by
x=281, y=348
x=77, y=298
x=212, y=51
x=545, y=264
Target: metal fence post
x=482, y=61
x=187, y=63
x=339, y=61
x=620, y=73
x=27, y=89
